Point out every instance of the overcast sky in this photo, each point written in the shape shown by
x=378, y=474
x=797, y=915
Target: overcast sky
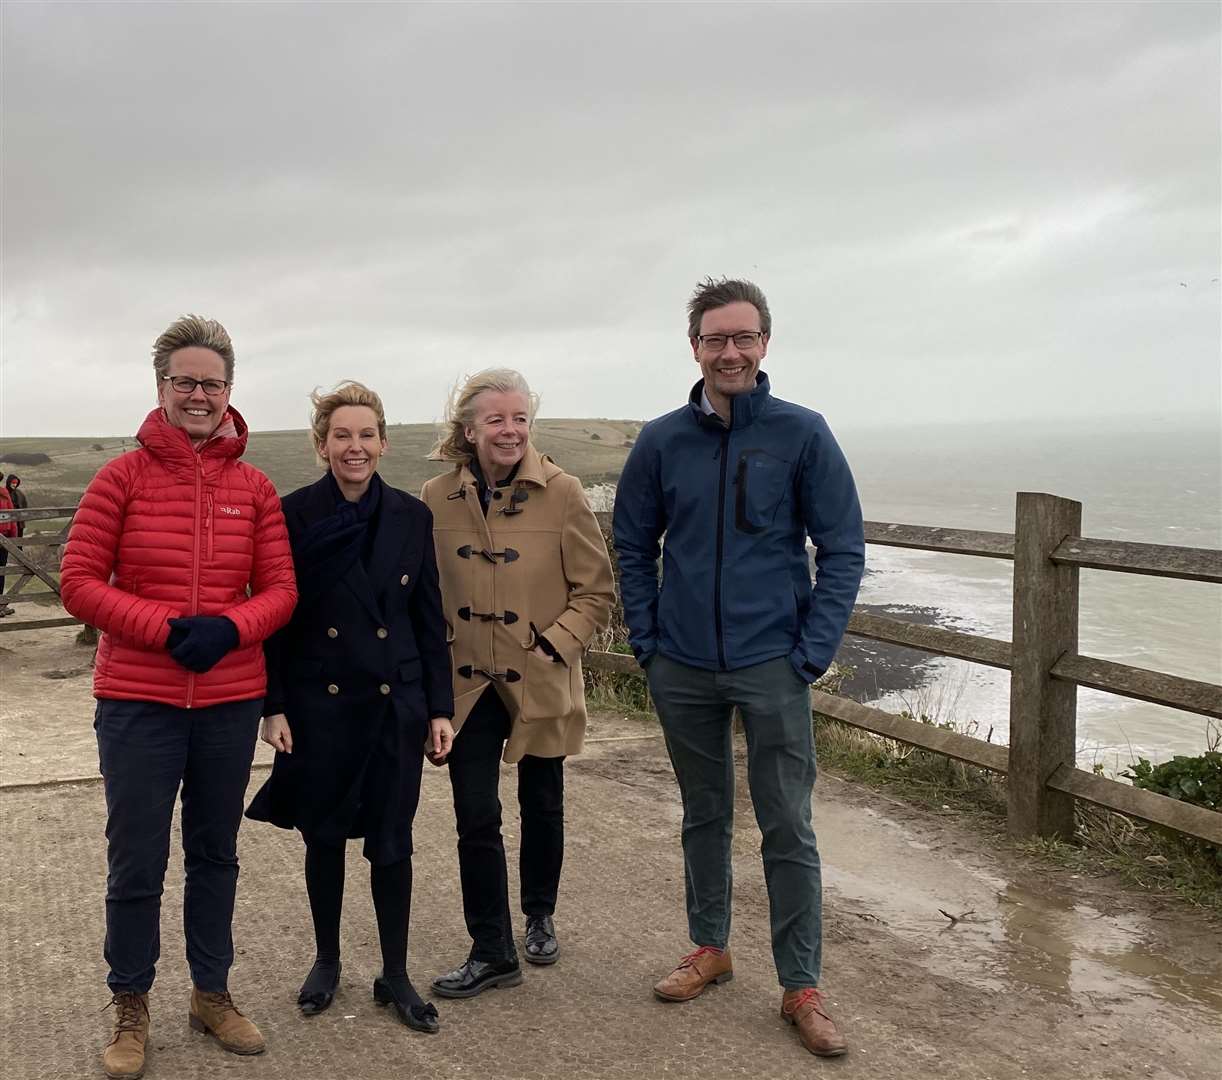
x=958, y=212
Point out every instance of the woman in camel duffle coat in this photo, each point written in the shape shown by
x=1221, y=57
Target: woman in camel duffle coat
x=536, y=566
x=526, y=583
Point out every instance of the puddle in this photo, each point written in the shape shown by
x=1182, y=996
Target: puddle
x=1009, y=936
x=1074, y=948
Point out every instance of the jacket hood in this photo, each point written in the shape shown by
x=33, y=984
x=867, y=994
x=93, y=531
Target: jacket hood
x=744, y=408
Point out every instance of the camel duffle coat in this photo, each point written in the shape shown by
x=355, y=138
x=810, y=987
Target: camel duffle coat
x=535, y=566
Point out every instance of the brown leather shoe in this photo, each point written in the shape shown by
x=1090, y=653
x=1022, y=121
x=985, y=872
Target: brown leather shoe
x=217, y=1015
x=695, y=972
x=806, y=1011
x=123, y=1058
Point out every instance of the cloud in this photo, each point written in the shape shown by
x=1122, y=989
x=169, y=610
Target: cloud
x=953, y=208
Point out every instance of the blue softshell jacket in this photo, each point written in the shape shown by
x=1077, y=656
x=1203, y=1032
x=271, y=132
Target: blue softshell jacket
x=736, y=504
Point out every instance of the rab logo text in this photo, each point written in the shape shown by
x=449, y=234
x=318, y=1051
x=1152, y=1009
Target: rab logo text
x=233, y=511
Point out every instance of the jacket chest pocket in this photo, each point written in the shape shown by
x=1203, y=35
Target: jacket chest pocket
x=761, y=481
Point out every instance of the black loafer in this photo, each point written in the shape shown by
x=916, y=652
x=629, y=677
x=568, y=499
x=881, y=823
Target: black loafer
x=541, y=944
x=418, y=1017
x=476, y=976
x=318, y=991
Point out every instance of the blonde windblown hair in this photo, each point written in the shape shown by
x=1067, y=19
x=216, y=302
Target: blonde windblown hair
x=348, y=392
x=452, y=443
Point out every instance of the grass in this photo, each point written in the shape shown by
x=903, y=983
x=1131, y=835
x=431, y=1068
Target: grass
x=628, y=694
x=931, y=780
x=287, y=457
x=1146, y=856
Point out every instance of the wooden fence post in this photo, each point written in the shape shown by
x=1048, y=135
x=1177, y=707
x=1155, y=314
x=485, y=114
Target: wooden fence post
x=1043, y=710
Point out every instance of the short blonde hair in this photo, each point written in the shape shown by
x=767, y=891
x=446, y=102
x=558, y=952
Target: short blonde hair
x=453, y=444
x=348, y=392
x=188, y=331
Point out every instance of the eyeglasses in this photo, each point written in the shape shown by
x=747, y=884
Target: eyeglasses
x=744, y=339
x=184, y=384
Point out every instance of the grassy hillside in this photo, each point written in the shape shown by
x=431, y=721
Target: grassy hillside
x=592, y=449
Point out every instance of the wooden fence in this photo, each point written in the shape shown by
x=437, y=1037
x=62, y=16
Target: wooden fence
x=1045, y=667
x=33, y=558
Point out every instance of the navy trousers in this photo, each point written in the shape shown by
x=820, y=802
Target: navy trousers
x=146, y=751
x=695, y=708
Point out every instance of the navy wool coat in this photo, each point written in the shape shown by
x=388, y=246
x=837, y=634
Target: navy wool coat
x=358, y=672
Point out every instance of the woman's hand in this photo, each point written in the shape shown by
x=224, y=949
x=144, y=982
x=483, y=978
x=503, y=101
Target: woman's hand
x=274, y=730
x=440, y=740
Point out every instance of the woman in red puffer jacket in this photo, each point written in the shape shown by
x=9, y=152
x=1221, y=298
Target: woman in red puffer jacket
x=179, y=554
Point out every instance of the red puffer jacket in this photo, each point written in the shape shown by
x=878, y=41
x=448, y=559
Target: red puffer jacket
x=7, y=528
x=165, y=531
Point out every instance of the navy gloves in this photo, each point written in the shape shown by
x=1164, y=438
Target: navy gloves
x=199, y=641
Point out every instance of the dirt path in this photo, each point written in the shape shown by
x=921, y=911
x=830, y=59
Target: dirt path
x=1051, y=975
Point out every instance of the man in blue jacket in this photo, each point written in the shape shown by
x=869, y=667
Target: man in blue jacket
x=737, y=480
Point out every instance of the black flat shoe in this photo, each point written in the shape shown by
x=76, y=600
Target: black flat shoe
x=541, y=944
x=318, y=991
x=417, y=1015
x=476, y=976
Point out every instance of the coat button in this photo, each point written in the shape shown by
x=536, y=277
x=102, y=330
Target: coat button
x=384, y=689
x=332, y=632
x=332, y=689
x=405, y=579
x=383, y=632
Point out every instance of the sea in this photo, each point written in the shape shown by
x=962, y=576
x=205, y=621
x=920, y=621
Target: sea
x=1157, y=481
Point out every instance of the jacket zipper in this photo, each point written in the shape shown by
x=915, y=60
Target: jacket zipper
x=721, y=533
x=210, y=525
x=199, y=486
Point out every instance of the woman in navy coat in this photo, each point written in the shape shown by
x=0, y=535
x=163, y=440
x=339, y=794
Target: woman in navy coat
x=358, y=682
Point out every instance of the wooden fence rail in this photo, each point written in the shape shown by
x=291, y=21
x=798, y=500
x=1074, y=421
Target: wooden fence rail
x=1046, y=668
x=33, y=558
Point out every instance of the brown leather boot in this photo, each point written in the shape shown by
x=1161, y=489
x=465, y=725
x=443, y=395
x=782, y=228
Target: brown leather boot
x=123, y=1058
x=217, y=1015
x=806, y=1011
x=695, y=972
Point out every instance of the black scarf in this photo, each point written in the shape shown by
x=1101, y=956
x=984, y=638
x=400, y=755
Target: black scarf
x=329, y=548
x=485, y=490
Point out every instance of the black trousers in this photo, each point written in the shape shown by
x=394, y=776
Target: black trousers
x=146, y=751
x=475, y=768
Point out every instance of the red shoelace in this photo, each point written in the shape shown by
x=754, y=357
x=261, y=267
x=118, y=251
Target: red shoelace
x=810, y=993
x=704, y=950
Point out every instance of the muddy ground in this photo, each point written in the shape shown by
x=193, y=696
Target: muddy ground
x=1046, y=973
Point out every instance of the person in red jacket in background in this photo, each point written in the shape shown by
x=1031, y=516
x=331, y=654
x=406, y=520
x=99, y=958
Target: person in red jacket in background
x=179, y=555
x=12, y=485
x=12, y=530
